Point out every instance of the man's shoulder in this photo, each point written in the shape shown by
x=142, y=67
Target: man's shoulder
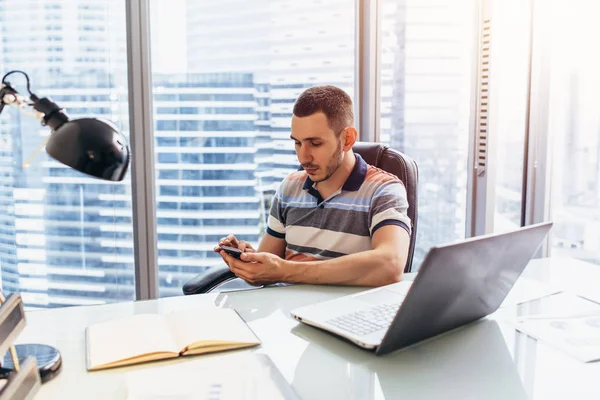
x=296, y=176
x=293, y=182
x=377, y=175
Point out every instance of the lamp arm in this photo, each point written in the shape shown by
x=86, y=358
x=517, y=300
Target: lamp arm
x=12, y=95
x=53, y=115
x=44, y=109
x=9, y=96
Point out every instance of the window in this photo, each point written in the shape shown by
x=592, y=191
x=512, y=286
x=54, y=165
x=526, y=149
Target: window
x=510, y=33
x=574, y=129
x=426, y=58
x=216, y=73
x=65, y=238
x=224, y=84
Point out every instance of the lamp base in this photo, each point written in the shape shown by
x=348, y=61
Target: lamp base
x=48, y=359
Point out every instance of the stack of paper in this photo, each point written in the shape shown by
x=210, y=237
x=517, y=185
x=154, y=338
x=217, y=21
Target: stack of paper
x=579, y=336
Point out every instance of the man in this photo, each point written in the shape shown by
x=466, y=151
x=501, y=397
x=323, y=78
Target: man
x=339, y=221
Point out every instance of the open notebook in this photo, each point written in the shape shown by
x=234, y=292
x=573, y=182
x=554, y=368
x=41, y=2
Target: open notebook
x=149, y=337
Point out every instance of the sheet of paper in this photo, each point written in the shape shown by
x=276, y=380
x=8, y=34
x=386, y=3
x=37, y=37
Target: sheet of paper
x=230, y=377
x=590, y=292
x=578, y=336
x=527, y=290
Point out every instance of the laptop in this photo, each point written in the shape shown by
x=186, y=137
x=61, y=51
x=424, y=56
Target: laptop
x=457, y=284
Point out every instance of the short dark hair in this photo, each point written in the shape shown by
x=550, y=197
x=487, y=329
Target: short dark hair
x=331, y=101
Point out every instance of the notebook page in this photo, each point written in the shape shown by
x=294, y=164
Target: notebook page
x=222, y=325
x=128, y=337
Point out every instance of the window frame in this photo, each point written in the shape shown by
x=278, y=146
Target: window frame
x=480, y=186
x=143, y=188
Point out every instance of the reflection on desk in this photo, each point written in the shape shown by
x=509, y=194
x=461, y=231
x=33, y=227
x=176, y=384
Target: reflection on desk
x=464, y=364
x=471, y=362
x=228, y=377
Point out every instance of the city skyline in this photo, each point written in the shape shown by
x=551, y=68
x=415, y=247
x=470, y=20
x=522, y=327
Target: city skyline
x=224, y=85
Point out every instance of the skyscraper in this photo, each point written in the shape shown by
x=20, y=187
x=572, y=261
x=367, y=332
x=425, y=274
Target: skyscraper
x=66, y=229
x=281, y=47
x=425, y=100
x=224, y=88
x=221, y=138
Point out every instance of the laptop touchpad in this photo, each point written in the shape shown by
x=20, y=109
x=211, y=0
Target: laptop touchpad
x=381, y=296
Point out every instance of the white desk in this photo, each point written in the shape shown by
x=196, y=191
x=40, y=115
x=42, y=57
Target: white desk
x=487, y=360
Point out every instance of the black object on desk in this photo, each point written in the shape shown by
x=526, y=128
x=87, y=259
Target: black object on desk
x=48, y=359
x=24, y=381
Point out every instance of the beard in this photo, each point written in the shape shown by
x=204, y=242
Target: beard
x=333, y=164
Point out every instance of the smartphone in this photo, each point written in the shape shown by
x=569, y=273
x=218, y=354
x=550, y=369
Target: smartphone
x=232, y=251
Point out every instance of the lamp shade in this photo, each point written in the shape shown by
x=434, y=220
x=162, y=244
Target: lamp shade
x=92, y=146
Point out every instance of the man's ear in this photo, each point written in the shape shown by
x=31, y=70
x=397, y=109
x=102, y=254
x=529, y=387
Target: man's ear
x=350, y=137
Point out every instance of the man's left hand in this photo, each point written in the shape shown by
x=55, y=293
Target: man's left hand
x=257, y=268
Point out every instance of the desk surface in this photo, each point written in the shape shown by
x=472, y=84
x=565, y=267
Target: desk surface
x=488, y=359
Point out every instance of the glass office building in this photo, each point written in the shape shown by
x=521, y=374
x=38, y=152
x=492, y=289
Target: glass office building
x=66, y=238
x=224, y=84
x=425, y=99
x=221, y=139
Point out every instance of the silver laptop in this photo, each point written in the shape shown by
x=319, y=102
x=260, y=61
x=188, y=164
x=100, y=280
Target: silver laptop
x=457, y=284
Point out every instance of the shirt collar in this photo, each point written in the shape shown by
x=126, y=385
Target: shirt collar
x=355, y=179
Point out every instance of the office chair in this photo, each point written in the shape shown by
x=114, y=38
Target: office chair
x=376, y=154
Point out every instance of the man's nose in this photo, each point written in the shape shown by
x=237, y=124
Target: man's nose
x=304, y=155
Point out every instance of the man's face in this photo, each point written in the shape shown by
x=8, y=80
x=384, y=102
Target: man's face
x=318, y=148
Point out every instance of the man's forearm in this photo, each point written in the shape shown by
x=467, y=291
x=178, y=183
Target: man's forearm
x=368, y=268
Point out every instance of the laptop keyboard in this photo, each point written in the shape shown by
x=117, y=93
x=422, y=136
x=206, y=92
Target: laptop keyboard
x=367, y=320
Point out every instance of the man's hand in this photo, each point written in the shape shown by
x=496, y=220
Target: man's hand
x=257, y=268
x=232, y=241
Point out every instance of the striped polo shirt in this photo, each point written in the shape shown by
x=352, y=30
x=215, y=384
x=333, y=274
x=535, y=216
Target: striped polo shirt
x=319, y=229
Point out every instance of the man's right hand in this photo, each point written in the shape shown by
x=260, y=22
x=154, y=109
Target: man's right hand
x=232, y=241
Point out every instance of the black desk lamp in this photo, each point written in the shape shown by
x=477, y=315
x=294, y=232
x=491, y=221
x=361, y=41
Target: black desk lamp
x=89, y=145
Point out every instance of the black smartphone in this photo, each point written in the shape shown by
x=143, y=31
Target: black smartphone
x=232, y=251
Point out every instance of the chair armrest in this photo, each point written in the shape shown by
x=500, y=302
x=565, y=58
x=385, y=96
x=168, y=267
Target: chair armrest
x=208, y=280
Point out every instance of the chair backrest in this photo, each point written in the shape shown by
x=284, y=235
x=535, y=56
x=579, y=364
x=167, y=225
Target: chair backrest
x=405, y=168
